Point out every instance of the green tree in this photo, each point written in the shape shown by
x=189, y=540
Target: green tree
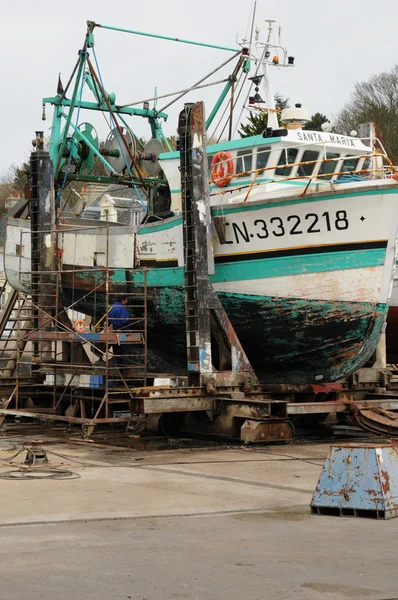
x=374, y=101
x=257, y=122
x=20, y=178
x=280, y=102
x=316, y=122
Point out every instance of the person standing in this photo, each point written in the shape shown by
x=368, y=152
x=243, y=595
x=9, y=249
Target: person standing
x=120, y=319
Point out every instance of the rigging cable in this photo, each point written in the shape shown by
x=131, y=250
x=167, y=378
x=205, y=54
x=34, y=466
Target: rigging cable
x=118, y=137
x=244, y=76
x=253, y=12
x=226, y=108
x=184, y=91
x=244, y=107
x=200, y=81
x=70, y=80
x=258, y=63
x=58, y=198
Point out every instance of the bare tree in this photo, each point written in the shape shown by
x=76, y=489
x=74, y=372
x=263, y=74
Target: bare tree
x=13, y=180
x=7, y=185
x=375, y=100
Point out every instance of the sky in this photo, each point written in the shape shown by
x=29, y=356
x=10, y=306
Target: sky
x=335, y=44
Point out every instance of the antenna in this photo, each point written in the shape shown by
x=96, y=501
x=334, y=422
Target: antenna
x=252, y=28
x=270, y=22
x=269, y=53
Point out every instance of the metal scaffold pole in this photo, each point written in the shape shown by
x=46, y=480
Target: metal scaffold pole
x=71, y=386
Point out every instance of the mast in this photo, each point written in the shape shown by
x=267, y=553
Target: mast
x=272, y=115
x=266, y=55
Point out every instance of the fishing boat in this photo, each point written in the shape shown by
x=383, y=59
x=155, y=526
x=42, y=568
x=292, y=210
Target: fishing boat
x=303, y=234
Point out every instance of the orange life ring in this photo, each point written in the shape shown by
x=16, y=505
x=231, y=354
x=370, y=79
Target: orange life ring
x=221, y=169
x=79, y=326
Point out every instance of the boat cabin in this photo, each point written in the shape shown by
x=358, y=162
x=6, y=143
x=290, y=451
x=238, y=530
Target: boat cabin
x=264, y=164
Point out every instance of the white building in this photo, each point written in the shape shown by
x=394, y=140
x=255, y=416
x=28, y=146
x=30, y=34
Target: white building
x=127, y=211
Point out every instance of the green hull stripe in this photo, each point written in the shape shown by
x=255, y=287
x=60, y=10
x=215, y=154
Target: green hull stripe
x=299, y=265
x=161, y=226
x=266, y=268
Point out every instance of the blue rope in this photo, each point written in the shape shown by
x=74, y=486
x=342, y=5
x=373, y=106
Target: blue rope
x=349, y=177
x=118, y=137
x=58, y=198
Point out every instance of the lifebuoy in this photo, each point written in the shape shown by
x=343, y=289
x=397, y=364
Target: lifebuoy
x=79, y=326
x=221, y=169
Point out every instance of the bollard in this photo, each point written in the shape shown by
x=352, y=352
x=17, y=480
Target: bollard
x=358, y=480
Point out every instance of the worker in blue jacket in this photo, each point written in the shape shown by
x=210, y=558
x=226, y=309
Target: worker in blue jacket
x=120, y=319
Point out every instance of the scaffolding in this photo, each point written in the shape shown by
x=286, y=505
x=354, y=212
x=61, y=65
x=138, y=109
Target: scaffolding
x=58, y=364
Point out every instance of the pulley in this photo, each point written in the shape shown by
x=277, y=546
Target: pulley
x=115, y=151
x=150, y=156
x=78, y=153
x=70, y=156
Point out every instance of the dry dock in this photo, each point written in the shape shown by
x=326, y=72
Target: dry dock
x=210, y=523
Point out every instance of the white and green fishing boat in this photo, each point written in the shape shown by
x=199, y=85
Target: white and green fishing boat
x=303, y=236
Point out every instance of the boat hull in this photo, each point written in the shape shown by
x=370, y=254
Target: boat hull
x=292, y=340
x=305, y=280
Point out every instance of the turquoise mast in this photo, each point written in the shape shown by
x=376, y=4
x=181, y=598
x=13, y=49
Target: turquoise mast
x=71, y=146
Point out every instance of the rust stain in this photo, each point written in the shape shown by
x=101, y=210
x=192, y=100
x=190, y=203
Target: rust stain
x=371, y=492
x=345, y=491
x=385, y=485
x=327, y=387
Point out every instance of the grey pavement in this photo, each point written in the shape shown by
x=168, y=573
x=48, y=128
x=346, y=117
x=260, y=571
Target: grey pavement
x=219, y=524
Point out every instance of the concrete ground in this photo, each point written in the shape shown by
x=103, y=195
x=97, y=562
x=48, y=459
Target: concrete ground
x=201, y=524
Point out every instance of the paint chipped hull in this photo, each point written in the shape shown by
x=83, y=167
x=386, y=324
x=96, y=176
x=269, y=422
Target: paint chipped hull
x=286, y=340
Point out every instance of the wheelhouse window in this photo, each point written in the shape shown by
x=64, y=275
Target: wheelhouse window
x=209, y=159
x=262, y=157
x=328, y=168
x=243, y=162
x=308, y=157
x=288, y=157
x=367, y=165
x=349, y=165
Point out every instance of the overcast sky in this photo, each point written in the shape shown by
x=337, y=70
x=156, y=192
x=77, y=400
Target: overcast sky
x=335, y=44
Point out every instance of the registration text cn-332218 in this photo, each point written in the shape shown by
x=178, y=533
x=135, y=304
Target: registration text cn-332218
x=276, y=226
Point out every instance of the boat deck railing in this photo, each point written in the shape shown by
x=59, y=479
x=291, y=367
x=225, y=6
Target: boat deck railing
x=378, y=166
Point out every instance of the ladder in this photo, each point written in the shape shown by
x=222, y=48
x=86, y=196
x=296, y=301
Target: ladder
x=15, y=321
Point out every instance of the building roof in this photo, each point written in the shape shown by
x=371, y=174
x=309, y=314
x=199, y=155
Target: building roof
x=3, y=220
x=119, y=202
x=91, y=212
x=118, y=191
